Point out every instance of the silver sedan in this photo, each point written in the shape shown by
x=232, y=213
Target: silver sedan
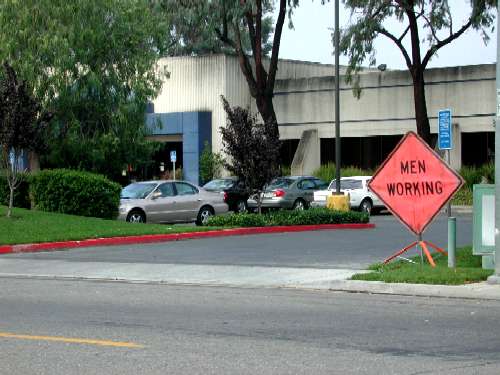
x=169, y=202
x=290, y=192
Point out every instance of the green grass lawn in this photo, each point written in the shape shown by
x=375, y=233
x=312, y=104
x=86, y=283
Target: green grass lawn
x=468, y=270
x=27, y=226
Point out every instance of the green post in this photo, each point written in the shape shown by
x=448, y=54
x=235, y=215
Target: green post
x=452, y=241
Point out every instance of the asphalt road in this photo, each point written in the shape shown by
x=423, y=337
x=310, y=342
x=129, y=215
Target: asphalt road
x=201, y=330
x=344, y=249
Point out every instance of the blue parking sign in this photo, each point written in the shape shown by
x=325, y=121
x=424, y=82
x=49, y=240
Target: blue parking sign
x=444, y=129
x=173, y=156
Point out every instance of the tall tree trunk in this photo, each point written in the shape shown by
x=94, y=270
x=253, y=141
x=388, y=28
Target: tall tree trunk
x=11, y=200
x=417, y=72
x=421, y=116
x=266, y=109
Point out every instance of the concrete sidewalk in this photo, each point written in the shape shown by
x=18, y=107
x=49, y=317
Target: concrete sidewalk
x=234, y=276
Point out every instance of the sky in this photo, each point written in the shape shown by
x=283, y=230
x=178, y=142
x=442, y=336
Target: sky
x=310, y=40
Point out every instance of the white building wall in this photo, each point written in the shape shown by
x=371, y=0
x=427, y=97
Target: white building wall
x=196, y=84
x=386, y=105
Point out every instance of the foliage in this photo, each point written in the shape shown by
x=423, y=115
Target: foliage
x=253, y=149
x=75, y=193
x=488, y=172
x=313, y=216
x=463, y=197
x=424, y=23
x=326, y=172
x=473, y=175
x=468, y=270
x=50, y=227
x=93, y=65
x=286, y=170
x=21, y=193
x=211, y=164
x=194, y=28
x=233, y=23
x=21, y=127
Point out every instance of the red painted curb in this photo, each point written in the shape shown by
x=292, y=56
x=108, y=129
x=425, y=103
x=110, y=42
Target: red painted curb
x=149, y=238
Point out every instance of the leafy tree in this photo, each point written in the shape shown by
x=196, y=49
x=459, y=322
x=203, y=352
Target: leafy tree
x=211, y=164
x=427, y=26
x=253, y=149
x=93, y=64
x=21, y=126
x=193, y=29
x=233, y=23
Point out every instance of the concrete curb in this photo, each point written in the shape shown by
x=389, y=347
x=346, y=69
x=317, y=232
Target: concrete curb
x=151, y=238
x=481, y=290
x=461, y=209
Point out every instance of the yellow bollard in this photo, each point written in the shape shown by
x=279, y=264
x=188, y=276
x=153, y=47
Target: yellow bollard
x=338, y=202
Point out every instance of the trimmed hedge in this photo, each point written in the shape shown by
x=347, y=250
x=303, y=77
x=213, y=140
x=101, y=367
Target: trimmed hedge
x=313, y=216
x=21, y=193
x=75, y=193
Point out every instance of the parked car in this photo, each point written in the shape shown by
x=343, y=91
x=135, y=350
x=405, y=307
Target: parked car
x=235, y=194
x=169, y=202
x=360, y=196
x=290, y=192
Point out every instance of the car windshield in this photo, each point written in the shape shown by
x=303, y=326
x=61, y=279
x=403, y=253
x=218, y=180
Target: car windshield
x=219, y=185
x=137, y=190
x=347, y=184
x=280, y=183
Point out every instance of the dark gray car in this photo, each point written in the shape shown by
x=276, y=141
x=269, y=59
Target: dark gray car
x=290, y=192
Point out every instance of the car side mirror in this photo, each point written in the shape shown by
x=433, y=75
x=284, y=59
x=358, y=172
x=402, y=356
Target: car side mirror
x=156, y=195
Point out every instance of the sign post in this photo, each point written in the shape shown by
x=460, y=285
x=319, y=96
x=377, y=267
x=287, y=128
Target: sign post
x=415, y=184
x=495, y=278
x=445, y=137
x=173, y=159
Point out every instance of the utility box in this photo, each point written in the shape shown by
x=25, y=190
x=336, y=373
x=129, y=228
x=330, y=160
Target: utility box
x=483, y=221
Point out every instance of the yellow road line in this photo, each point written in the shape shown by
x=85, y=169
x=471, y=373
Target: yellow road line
x=118, y=344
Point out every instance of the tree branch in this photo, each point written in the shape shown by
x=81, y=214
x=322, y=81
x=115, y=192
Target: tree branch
x=273, y=66
x=245, y=65
x=444, y=42
x=398, y=43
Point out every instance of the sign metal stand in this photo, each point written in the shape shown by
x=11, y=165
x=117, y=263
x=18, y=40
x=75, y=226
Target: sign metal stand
x=173, y=159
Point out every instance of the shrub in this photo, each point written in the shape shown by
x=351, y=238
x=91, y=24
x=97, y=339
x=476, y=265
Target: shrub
x=211, y=164
x=488, y=171
x=286, y=170
x=327, y=172
x=75, y=193
x=471, y=175
x=237, y=220
x=21, y=194
x=313, y=216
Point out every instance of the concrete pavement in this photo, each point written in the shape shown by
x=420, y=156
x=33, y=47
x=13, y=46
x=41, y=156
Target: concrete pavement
x=234, y=276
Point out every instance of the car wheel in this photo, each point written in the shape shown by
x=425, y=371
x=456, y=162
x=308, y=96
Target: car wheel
x=299, y=205
x=241, y=207
x=136, y=216
x=366, y=206
x=205, y=213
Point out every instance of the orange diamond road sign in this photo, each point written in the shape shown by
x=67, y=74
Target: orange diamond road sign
x=415, y=183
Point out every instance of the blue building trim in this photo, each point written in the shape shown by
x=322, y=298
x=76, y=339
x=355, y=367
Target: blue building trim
x=195, y=128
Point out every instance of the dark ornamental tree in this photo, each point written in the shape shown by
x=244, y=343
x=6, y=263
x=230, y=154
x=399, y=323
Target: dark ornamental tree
x=21, y=126
x=252, y=148
x=427, y=27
